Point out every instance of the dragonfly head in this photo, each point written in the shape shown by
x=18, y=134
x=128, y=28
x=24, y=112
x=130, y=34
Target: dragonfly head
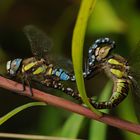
x=102, y=52
x=103, y=48
x=13, y=66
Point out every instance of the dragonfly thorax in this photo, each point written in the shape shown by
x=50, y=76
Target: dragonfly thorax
x=117, y=66
x=33, y=66
x=13, y=66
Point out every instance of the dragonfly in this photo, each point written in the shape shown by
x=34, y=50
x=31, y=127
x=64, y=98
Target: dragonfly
x=116, y=67
x=40, y=67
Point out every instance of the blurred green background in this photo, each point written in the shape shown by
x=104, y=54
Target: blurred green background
x=119, y=20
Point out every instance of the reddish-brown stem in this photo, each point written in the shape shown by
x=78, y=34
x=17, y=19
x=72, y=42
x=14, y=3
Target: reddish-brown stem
x=68, y=105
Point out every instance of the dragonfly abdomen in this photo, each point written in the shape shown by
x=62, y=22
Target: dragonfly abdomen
x=61, y=74
x=120, y=91
x=118, y=70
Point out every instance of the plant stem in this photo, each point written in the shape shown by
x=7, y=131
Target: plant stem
x=68, y=105
x=77, y=48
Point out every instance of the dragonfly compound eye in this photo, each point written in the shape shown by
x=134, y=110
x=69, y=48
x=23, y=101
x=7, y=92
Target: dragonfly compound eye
x=8, y=66
x=13, y=66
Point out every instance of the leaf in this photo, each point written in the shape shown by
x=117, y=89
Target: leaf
x=77, y=48
x=95, y=125
x=105, y=20
x=72, y=126
x=18, y=109
x=126, y=111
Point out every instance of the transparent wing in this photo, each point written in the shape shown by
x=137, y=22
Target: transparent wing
x=134, y=61
x=40, y=43
x=136, y=97
x=63, y=62
x=41, y=46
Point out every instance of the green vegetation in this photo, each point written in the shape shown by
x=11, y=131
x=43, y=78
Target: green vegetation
x=118, y=20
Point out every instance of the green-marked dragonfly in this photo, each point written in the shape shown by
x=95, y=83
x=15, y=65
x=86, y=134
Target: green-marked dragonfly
x=116, y=67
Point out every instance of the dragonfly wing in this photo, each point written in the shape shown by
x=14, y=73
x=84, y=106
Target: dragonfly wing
x=136, y=98
x=41, y=46
x=40, y=43
x=63, y=62
x=134, y=61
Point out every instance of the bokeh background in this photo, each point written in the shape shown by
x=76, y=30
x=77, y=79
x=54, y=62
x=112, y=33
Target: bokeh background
x=119, y=20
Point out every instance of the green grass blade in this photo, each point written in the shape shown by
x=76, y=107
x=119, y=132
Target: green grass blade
x=18, y=109
x=77, y=47
x=126, y=111
x=95, y=125
x=72, y=126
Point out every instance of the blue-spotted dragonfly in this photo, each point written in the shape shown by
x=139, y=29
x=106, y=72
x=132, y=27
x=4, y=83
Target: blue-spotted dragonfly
x=116, y=67
x=39, y=67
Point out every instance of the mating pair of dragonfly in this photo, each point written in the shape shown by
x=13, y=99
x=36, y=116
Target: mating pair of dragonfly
x=40, y=68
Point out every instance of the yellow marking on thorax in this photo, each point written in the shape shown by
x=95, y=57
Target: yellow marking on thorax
x=49, y=71
x=117, y=72
x=39, y=70
x=114, y=61
x=29, y=66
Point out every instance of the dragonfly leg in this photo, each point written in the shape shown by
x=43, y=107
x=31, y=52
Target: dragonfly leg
x=23, y=85
x=25, y=82
x=30, y=88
